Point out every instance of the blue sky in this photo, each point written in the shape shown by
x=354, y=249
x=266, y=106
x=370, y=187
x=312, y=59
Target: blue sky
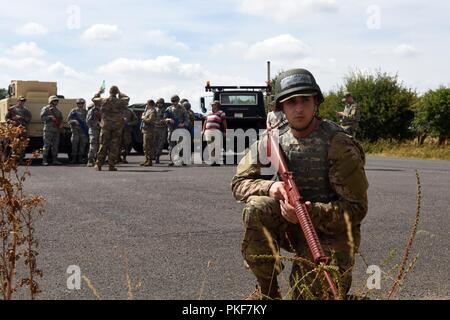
x=159, y=48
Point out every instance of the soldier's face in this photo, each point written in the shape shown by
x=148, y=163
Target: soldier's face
x=349, y=100
x=300, y=111
x=20, y=103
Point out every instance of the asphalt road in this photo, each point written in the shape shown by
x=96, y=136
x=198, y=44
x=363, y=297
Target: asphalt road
x=176, y=232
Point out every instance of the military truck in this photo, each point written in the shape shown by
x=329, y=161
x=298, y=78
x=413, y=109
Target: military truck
x=37, y=94
x=243, y=105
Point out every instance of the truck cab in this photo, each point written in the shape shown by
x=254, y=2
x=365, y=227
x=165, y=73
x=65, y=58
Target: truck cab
x=243, y=105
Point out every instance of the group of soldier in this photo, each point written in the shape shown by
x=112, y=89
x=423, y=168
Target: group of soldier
x=107, y=127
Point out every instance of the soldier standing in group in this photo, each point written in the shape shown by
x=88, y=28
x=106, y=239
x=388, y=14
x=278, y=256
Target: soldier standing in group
x=191, y=114
x=80, y=131
x=351, y=115
x=53, y=125
x=112, y=109
x=130, y=119
x=160, y=129
x=328, y=167
x=94, y=118
x=177, y=118
x=19, y=116
x=148, y=131
x=274, y=117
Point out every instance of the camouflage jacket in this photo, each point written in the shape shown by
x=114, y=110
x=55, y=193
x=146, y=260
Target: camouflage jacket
x=52, y=118
x=149, y=120
x=344, y=179
x=18, y=116
x=76, y=116
x=112, y=110
x=179, y=115
x=159, y=121
x=94, y=119
x=130, y=119
x=351, y=116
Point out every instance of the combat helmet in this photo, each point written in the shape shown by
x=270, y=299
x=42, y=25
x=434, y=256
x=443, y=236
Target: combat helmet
x=175, y=99
x=81, y=101
x=52, y=98
x=296, y=82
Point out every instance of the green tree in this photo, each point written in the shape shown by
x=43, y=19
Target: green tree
x=332, y=104
x=3, y=93
x=432, y=112
x=386, y=105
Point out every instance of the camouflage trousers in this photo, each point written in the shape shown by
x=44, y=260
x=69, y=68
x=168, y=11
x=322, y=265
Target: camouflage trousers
x=126, y=142
x=94, y=144
x=149, y=144
x=79, y=142
x=160, y=140
x=51, y=142
x=109, y=143
x=264, y=214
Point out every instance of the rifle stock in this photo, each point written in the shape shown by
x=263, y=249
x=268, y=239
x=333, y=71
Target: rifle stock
x=296, y=200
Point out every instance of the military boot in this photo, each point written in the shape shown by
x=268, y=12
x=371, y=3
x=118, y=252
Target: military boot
x=90, y=164
x=148, y=163
x=98, y=167
x=74, y=160
x=112, y=168
x=124, y=160
x=157, y=159
x=44, y=162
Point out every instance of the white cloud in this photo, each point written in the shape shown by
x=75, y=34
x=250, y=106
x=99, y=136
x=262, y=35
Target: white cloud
x=284, y=10
x=162, y=65
x=161, y=39
x=32, y=29
x=406, y=50
x=26, y=49
x=279, y=47
x=102, y=32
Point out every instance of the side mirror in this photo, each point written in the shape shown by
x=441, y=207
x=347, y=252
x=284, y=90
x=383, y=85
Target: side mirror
x=202, y=105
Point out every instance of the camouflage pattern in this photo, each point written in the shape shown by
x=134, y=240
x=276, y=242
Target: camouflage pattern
x=112, y=124
x=18, y=116
x=79, y=139
x=351, y=118
x=130, y=120
x=93, y=120
x=148, y=129
x=179, y=117
x=328, y=167
x=160, y=133
x=53, y=124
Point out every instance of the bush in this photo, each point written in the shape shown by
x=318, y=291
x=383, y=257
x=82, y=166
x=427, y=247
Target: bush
x=432, y=114
x=386, y=105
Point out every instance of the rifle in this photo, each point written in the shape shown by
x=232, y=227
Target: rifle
x=82, y=124
x=296, y=200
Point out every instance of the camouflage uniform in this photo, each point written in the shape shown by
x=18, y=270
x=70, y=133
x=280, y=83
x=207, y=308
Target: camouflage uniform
x=112, y=124
x=18, y=116
x=160, y=131
x=93, y=121
x=53, y=124
x=328, y=168
x=79, y=137
x=127, y=134
x=148, y=130
x=350, y=119
x=179, y=116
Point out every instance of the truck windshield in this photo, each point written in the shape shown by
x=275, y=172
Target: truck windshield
x=248, y=99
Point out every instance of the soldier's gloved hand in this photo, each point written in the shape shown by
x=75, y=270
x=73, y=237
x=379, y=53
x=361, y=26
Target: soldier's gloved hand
x=288, y=211
x=278, y=192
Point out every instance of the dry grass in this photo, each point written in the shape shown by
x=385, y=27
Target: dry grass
x=408, y=149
